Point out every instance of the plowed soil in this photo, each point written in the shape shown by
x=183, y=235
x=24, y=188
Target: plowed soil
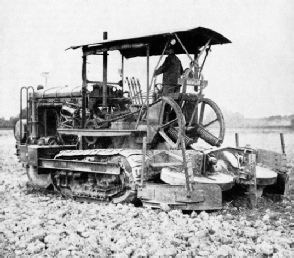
x=42, y=224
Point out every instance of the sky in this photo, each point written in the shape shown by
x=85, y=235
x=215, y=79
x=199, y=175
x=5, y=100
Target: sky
x=253, y=76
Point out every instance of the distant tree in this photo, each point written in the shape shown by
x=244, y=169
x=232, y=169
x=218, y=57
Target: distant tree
x=271, y=118
x=8, y=123
x=2, y=121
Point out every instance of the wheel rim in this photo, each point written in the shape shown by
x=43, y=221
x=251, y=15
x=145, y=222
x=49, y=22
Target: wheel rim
x=206, y=123
x=171, y=121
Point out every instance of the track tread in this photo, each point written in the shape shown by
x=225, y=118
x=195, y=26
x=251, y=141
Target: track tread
x=131, y=165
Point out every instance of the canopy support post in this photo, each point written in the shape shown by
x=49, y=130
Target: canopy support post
x=84, y=77
x=122, y=72
x=148, y=92
x=84, y=91
x=104, y=73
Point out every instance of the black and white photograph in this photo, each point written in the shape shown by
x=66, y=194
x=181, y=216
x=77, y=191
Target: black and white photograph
x=146, y=128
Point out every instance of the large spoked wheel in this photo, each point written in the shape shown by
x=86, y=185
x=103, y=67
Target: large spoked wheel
x=206, y=121
x=171, y=121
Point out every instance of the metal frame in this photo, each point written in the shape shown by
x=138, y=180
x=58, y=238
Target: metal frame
x=26, y=88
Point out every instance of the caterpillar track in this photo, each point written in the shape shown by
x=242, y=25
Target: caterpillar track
x=104, y=175
x=115, y=179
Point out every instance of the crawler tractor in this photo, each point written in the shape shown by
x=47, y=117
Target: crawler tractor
x=126, y=141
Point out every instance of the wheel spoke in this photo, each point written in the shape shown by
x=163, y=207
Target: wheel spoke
x=168, y=139
x=161, y=112
x=210, y=123
x=201, y=113
x=169, y=123
x=194, y=116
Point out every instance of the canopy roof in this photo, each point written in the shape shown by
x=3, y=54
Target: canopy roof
x=133, y=47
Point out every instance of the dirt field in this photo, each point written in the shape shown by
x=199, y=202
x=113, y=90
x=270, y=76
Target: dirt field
x=33, y=224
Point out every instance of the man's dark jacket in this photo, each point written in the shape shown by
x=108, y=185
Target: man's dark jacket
x=172, y=70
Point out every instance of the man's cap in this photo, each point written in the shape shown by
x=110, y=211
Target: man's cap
x=171, y=44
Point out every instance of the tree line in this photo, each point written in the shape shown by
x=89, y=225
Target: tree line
x=9, y=124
